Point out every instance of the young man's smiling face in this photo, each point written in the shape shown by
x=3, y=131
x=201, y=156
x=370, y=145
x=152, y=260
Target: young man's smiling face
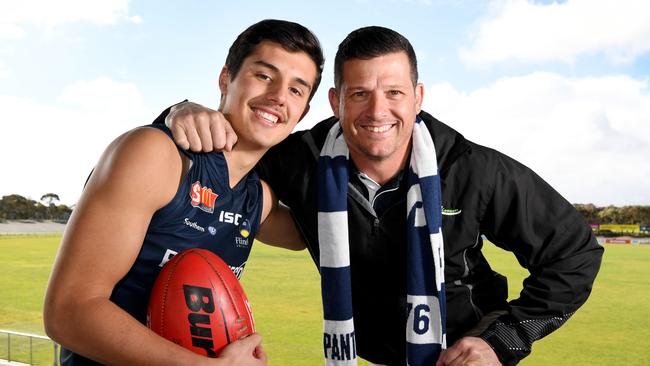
x=269, y=94
x=377, y=104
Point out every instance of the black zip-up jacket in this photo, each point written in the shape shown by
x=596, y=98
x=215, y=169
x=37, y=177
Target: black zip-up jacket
x=488, y=194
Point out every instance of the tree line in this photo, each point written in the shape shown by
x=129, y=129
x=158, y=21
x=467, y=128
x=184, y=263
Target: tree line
x=17, y=207
x=639, y=215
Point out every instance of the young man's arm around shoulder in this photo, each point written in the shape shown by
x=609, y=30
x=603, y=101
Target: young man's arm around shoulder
x=138, y=174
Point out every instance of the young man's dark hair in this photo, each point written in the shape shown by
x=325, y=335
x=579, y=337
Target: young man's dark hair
x=291, y=36
x=370, y=42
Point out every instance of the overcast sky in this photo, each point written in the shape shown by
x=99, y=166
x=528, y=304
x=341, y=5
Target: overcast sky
x=560, y=86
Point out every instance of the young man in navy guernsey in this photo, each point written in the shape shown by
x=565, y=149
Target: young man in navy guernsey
x=147, y=200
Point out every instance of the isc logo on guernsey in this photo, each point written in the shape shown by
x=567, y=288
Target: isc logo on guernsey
x=229, y=217
x=202, y=197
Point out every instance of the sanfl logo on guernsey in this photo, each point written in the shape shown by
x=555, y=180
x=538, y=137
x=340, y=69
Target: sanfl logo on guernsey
x=202, y=197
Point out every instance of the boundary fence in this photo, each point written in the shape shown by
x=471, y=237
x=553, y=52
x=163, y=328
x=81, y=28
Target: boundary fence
x=20, y=347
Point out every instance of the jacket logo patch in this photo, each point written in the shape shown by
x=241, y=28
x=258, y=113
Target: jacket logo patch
x=202, y=197
x=451, y=211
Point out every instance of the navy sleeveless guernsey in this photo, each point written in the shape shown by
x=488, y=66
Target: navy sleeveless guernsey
x=204, y=213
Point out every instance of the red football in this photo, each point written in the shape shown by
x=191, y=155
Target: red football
x=198, y=303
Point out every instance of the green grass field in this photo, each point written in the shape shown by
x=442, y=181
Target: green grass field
x=610, y=329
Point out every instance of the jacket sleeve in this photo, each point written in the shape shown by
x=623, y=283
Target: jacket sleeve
x=551, y=240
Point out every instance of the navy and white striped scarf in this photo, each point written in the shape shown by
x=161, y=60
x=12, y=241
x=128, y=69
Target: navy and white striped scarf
x=425, y=327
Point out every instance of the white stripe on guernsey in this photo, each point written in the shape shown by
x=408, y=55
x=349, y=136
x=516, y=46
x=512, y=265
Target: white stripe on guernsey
x=423, y=324
x=437, y=247
x=339, y=147
x=333, y=239
x=427, y=164
x=340, y=329
x=413, y=196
